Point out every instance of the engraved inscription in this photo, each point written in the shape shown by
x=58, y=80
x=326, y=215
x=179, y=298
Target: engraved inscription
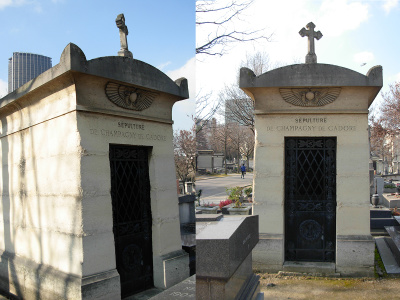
x=131, y=125
x=246, y=239
x=311, y=124
x=128, y=135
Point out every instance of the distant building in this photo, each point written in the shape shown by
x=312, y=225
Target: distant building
x=23, y=67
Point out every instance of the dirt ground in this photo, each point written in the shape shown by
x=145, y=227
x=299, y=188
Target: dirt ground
x=278, y=287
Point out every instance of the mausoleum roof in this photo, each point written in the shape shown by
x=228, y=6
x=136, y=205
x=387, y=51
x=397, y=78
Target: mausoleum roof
x=123, y=69
x=304, y=75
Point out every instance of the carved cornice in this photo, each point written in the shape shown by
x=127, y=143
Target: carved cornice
x=129, y=97
x=310, y=96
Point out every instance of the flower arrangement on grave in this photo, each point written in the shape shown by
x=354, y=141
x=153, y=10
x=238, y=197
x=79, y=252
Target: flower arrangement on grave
x=395, y=212
x=209, y=204
x=224, y=203
x=234, y=194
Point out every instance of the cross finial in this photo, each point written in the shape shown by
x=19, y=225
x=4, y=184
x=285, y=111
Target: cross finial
x=123, y=32
x=311, y=57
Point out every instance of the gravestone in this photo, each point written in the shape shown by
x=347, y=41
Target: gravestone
x=311, y=181
x=379, y=186
x=187, y=220
x=89, y=205
x=224, y=259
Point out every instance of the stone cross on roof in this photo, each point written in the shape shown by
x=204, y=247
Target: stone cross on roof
x=123, y=32
x=311, y=57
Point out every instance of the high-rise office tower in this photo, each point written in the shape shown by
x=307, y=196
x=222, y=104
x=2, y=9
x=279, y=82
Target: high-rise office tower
x=23, y=67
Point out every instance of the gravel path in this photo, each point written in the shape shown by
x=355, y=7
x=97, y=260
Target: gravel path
x=279, y=287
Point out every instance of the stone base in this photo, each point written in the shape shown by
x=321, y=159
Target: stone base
x=27, y=279
x=354, y=257
x=173, y=268
x=183, y=290
x=268, y=253
x=316, y=268
x=125, y=53
x=242, y=283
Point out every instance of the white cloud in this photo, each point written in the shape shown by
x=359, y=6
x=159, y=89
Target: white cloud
x=3, y=88
x=37, y=5
x=183, y=111
x=388, y=5
x=339, y=16
x=5, y=3
x=363, y=57
x=163, y=65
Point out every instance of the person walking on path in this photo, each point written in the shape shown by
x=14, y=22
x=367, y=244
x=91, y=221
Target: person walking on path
x=243, y=169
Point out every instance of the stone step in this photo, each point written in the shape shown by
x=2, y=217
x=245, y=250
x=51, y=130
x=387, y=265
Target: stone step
x=208, y=217
x=379, y=232
x=387, y=256
x=310, y=267
x=377, y=223
x=380, y=212
x=394, y=241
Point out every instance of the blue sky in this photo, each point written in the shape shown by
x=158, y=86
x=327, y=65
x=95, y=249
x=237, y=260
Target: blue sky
x=161, y=33
x=357, y=34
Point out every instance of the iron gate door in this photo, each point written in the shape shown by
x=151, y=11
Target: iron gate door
x=310, y=199
x=130, y=194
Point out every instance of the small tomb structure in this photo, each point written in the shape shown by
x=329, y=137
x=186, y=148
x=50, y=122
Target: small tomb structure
x=311, y=177
x=89, y=207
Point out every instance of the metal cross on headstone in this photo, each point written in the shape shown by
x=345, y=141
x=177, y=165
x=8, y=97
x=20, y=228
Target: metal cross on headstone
x=311, y=57
x=123, y=32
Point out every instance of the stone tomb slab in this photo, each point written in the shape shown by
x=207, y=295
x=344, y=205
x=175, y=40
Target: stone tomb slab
x=231, y=240
x=224, y=258
x=183, y=290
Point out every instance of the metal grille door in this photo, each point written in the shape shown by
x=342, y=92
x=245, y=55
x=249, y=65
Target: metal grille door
x=130, y=194
x=310, y=199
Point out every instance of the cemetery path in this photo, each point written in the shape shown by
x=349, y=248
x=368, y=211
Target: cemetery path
x=307, y=287
x=213, y=188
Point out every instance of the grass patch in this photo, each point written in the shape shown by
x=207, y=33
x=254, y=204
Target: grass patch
x=379, y=266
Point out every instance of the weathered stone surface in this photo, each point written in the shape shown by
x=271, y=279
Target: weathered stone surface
x=230, y=240
x=56, y=203
x=183, y=290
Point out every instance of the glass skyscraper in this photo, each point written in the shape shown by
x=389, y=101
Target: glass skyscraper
x=23, y=67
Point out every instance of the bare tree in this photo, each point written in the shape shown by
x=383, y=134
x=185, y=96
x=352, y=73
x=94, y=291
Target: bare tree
x=236, y=138
x=390, y=109
x=205, y=110
x=247, y=146
x=217, y=17
x=385, y=124
x=239, y=107
x=185, y=154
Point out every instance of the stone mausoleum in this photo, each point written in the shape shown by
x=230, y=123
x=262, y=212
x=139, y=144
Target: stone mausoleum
x=89, y=206
x=311, y=182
